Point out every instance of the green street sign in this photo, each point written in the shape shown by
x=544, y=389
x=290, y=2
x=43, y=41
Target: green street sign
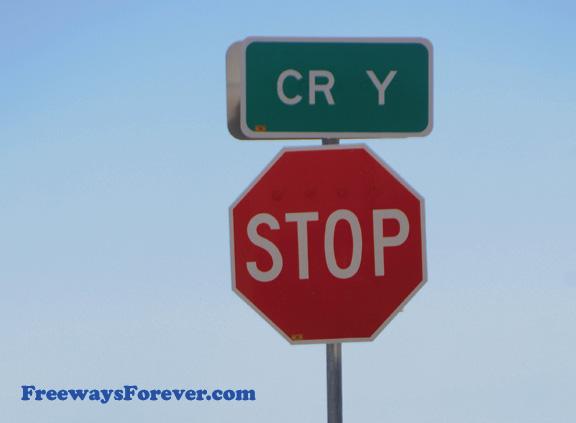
x=306, y=88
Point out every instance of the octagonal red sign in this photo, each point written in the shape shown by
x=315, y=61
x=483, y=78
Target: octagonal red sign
x=328, y=244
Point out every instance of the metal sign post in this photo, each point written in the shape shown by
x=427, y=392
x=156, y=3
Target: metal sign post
x=334, y=382
x=333, y=361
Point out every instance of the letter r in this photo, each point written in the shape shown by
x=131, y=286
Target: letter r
x=324, y=88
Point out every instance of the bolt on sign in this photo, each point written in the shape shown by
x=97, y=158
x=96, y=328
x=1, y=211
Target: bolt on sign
x=301, y=88
x=328, y=244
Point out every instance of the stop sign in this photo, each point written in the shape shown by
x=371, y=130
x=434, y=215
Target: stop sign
x=328, y=244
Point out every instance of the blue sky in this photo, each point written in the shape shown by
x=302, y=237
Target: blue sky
x=117, y=170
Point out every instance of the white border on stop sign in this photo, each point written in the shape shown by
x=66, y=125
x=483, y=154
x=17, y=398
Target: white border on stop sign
x=396, y=176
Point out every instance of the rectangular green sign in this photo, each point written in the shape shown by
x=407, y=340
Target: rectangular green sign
x=335, y=88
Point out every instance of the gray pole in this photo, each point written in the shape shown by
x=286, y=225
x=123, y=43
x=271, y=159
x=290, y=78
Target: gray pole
x=333, y=362
x=334, y=382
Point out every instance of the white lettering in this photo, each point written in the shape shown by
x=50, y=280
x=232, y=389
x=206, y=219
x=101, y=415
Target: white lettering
x=280, y=87
x=259, y=241
x=381, y=241
x=325, y=88
x=352, y=220
x=302, y=220
x=381, y=86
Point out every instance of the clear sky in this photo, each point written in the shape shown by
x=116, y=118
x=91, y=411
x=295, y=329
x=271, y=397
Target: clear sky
x=117, y=171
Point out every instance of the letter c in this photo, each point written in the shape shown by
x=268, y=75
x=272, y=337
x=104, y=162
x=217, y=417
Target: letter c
x=280, y=87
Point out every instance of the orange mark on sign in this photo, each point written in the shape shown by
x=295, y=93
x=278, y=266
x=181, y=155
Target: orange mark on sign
x=260, y=128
